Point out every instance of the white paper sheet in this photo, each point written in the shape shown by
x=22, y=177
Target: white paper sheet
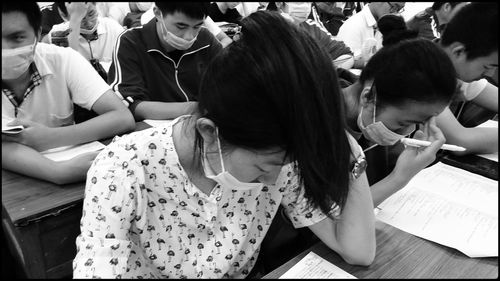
x=6, y=129
x=313, y=266
x=449, y=206
x=67, y=152
x=157, y=123
x=490, y=124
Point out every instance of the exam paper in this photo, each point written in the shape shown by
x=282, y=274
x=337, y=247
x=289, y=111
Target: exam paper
x=490, y=124
x=67, y=152
x=157, y=123
x=313, y=266
x=6, y=129
x=449, y=206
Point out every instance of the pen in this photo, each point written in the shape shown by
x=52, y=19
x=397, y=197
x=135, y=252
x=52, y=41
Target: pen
x=419, y=143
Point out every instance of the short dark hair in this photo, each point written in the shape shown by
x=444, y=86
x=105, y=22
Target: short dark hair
x=30, y=9
x=412, y=70
x=437, y=5
x=275, y=87
x=475, y=26
x=195, y=10
x=393, y=28
x=62, y=7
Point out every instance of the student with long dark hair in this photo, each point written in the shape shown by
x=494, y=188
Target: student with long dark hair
x=402, y=85
x=195, y=198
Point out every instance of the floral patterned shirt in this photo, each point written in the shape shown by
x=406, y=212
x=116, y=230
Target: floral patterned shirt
x=143, y=218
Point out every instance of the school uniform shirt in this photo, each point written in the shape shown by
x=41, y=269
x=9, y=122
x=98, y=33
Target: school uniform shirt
x=143, y=71
x=358, y=29
x=472, y=89
x=66, y=78
x=143, y=217
x=335, y=48
x=108, y=31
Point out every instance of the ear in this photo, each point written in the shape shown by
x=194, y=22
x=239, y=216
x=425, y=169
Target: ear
x=458, y=51
x=157, y=12
x=446, y=7
x=207, y=130
x=365, y=99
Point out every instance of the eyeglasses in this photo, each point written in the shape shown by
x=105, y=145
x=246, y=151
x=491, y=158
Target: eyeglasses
x=395, y=8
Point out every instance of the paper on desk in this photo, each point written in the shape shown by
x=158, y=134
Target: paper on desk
x=313, y=266
x=157, y=123
x=67, y=152
x=490, y=124
x=6, y=129
x=449, y=206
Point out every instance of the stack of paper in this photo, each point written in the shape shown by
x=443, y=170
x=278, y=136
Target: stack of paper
x=490, y=124
x=6, y=129
x=450, y=206
x=67, y=152
x=313, y=266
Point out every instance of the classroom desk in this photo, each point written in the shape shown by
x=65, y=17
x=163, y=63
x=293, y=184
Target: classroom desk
x=403, y=255
x=41, y=221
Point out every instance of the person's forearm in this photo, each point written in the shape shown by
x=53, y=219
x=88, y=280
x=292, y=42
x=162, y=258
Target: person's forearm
x=476, y=140
x=74, y=35
x=387, y=186
x=27, y=161
x=162, y=110
x=354, y=232
x=106, y=125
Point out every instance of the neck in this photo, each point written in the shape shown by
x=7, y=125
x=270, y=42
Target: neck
x=19, y=82
x=351, y=103
x=184, y=138
x=222, y=6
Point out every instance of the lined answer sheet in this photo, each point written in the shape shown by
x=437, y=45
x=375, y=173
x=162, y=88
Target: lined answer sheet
x=313, y=266
x=67, y=152
x=490, y=124
x=449, y=206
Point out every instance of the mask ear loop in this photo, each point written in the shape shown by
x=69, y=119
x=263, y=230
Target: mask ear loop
x=372, y=90
x=220, y=149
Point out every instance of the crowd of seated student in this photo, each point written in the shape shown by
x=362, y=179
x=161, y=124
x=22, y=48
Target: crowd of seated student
x=247, y=130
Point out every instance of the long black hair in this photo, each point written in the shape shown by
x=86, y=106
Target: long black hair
x=275, y=87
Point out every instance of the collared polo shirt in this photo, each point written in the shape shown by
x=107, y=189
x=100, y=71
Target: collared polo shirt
x=357, y=29
x=108, y=31
x=66, y=78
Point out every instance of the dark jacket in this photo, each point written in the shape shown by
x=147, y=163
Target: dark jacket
x=142, y=70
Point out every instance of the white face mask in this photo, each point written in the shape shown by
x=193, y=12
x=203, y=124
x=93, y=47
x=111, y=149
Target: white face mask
x=224, y=178
x=378, y=132
x=16, y=61
x=299, y=11
x=173, y=40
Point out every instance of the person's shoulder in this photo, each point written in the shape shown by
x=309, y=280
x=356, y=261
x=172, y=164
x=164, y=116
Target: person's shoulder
x=60, y=26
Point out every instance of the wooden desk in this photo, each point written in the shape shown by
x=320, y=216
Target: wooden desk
x=403, y=255
x=41, y=221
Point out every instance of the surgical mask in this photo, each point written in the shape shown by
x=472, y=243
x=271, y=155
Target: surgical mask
x=175, y=41
x=16, y=61
x=224, y=178
x=378, y=132
x=299, y=11
x=143, y=6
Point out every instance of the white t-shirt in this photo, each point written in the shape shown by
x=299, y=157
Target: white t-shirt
x=108, y=31
x=67, y=78
x=471, y=90
x=359, y=30
x=143, y=217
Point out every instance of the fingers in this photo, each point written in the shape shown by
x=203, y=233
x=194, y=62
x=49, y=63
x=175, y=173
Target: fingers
x=419, y=135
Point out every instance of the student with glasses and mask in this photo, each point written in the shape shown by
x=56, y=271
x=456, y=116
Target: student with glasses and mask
x=360, y=33
x=83, y=30
x=405, y=84
x=195, y=198
x=157, y=67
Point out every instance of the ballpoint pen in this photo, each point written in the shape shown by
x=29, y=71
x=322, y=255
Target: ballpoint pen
x=420, y=143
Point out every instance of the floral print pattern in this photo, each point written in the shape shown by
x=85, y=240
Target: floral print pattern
x=143, y=218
